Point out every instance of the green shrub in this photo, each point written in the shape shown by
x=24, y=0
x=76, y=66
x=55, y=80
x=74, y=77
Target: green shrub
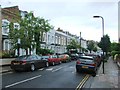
x=8, y=54
x=45, y=51
x=114, y=52
x=5, y=54
x=0, y=54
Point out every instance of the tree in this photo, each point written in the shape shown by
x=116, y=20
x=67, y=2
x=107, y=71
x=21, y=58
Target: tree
x=90, y=46
x=105, y=44
x=95, y=49
x=30, y=32
x=24, y=33
x=73, y=45
x=115, y=46
x=41, y=26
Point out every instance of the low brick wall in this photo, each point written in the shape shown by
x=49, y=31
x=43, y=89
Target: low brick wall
x=6, y=61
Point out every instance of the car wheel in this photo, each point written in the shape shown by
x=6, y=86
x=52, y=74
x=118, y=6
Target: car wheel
x=32, y=67
x=60, y=62
x=94, y=74
x=77, y=70
x=47, y=64
x=15, y=71
x=53, y=63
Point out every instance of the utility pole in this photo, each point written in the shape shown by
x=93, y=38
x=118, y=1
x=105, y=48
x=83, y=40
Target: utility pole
x=80, y=42
x=102, y=36
x=0, y=28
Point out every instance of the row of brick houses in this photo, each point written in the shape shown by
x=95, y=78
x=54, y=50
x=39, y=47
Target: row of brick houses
x=56, y=40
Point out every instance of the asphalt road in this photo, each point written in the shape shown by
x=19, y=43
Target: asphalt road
x=58, y=76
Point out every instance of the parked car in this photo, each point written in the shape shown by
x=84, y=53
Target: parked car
x=97, y=57
x=52, y=59
x=74, y=56
x=86, y=63
x=99, y=60
x=28, y=62
x=64, y=58
x=81, y=54
x=46, y=57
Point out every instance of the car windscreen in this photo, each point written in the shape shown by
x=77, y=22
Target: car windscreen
x=86, y=58
x=22, y=58
x=61, y=56
x=45, y=56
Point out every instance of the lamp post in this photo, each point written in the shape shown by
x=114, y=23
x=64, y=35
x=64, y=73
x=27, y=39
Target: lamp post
x=80, y=42
x=103, y=36
x=18, y=49
x=0, y=28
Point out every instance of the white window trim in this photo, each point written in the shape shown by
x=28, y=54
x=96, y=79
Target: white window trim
x=17, y=25
x=5, y=20
x=8, y=47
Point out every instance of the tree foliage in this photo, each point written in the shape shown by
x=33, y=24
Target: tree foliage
x=115, y=46
x=73, y=45
x=90, y=46
x=105, y=43
x=30, y=32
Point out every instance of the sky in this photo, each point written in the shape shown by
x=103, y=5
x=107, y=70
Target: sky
x=75, y=16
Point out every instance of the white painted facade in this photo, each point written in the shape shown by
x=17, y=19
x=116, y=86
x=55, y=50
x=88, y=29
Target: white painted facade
x=54, y=40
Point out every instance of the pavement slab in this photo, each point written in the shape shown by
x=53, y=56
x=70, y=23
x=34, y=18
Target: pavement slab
x=109, y=79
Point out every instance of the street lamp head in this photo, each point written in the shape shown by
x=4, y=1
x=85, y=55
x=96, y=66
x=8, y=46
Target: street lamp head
x=96, y=16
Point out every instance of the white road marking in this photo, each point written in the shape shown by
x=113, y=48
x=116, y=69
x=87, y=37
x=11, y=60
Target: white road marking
x=57, y=69
x=71, y=67
x=73, y=72
x=41, y=69
x=49, y=69
x=22, y=81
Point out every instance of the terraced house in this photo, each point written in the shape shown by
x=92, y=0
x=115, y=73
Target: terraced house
x=0, y=31
x=56, y=40
x=9, y=14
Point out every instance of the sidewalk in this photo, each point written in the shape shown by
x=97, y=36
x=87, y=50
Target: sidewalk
x=109, y=79
x=5, y=65
x=6, y=61
x=5, y=69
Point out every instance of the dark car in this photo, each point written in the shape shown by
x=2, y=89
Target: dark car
x=86, y=63
x=28, y=62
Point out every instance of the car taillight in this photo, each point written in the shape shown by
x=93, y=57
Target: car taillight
x=93, y=64
x=78, y=62
x=23, y=62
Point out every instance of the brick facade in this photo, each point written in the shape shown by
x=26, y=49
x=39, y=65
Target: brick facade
x=11, y=14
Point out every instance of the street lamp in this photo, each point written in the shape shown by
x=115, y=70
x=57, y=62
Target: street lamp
x=103, y=36
x=18, y=49
x=80, y=42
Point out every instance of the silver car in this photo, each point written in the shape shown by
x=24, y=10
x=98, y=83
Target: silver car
x=86, y=63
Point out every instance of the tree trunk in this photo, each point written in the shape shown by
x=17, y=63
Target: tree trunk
x=26, y=51
x=90, y=51
x=30, y=50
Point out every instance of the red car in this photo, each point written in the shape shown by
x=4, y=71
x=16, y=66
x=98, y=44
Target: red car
x=52, y=59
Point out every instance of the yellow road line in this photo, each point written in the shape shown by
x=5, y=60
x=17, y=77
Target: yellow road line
x=82, y=82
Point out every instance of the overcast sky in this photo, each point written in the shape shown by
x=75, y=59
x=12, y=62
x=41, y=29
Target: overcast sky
x=75, y=16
